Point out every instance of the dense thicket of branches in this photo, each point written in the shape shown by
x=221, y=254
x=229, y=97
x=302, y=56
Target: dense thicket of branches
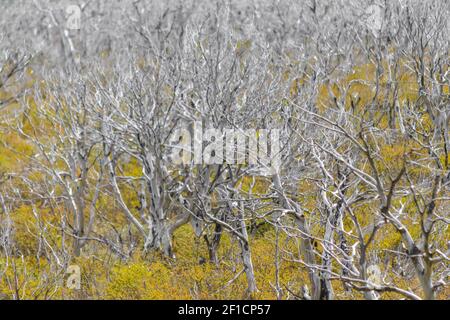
x=360, y=204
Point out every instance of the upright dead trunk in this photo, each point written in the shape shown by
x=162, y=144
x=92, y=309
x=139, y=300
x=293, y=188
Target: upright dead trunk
x=79, y=212
x=213, y=244
x=306, y=245
x=368, y=295
x=159, y=238
x=160, y=235
x=308, y=256
x=335, y=215
x=426, y=282
x=326, y=289
x=246, y=253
